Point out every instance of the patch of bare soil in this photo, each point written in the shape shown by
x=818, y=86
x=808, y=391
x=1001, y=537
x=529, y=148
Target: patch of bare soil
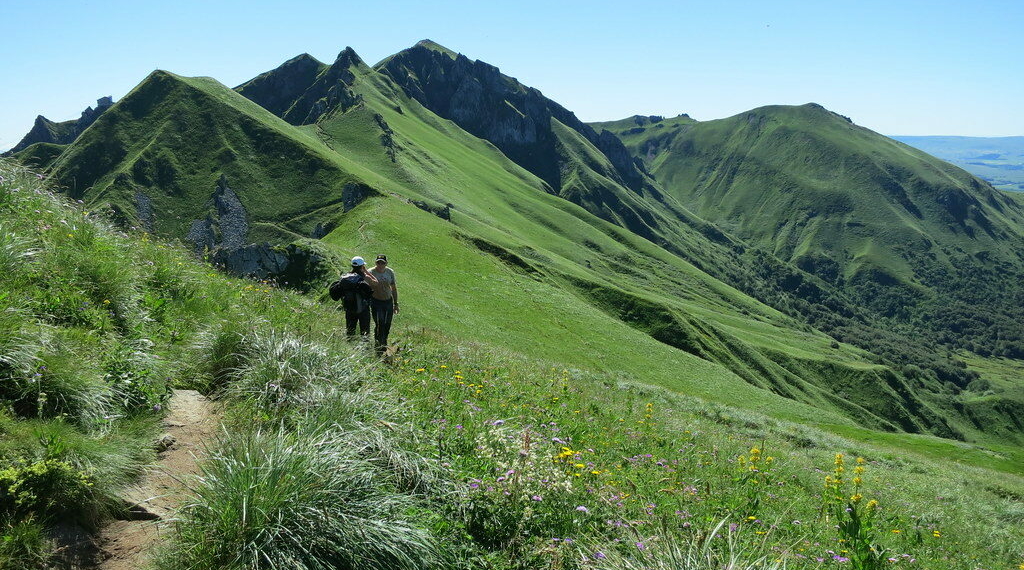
x=191, y=424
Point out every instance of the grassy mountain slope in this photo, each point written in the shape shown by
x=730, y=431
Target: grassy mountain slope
x=39, y=155
x=407, y=465
x=803, y=180
x=590, y=169
x=553, y=249
x=596, y=172
x=603, y=297
x=904, y=233
x=157, y=154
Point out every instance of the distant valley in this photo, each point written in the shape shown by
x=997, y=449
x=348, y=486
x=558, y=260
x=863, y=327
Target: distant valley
x=999, y=160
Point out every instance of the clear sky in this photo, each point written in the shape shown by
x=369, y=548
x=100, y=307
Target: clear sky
x=900, y=67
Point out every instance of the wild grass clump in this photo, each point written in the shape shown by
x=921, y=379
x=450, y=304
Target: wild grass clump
x=23, y=545
x=276, y=372
x=712, y=549
x=297, y=500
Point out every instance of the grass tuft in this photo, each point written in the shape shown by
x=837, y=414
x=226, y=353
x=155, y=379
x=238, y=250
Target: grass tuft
x=301, y=500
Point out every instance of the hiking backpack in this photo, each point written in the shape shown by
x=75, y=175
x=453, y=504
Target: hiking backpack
x=352, y=291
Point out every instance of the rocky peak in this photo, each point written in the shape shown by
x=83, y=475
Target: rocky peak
x=498, y=108
x=348, y=58
x=330, y=90
x=434, y=46
x=47, y=131
x=278, y=89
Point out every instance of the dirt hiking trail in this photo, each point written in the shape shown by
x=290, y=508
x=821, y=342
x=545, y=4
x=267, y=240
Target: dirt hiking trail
x=191, y=424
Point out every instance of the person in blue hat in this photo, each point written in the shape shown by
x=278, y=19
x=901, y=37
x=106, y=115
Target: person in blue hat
x=357, y=292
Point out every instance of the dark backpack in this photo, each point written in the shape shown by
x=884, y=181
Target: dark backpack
x=352, y=291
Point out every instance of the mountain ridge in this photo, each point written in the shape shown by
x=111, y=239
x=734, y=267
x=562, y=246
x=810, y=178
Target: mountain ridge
x=353, y=127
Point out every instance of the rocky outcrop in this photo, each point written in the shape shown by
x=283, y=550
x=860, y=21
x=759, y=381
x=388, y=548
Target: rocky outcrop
x=232, y=220
x=496, y=107
x=387, y=136
x=65, y=132
x=225, y=227
x=221, y=237
x=144, y=210
x=278, y=89
x=252, y=260
x=302, y=265
x=352, y=194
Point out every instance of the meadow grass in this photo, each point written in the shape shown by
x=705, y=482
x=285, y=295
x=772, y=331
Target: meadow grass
x=550, y=459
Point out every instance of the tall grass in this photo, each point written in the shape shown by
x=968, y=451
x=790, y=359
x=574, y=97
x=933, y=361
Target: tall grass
x=296, y=500
x=715, y=549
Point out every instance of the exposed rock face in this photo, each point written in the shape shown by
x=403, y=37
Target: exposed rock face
x=387, y=139
x=278, y=89
x=496, y=107
x=352, y=194
x=45, y=130
x=144, y=209
x=225, y=228
x=301, y=264
x=302, y=89
x=232, y=220
x=260, y=261
x=443, y=212
x=222, y=236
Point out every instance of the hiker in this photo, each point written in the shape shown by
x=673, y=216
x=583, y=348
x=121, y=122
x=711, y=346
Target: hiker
x=384, y=302
x=355, y=290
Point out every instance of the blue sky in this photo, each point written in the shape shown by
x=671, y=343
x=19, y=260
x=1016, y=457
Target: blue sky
x=898, y=67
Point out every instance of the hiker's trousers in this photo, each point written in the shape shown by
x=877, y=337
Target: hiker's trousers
x=353, y=318
x=383, y=314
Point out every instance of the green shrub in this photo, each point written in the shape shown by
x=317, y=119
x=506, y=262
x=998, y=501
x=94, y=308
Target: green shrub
x=45, y=490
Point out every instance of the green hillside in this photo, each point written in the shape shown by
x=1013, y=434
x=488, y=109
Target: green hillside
x=900, y=231
x=486, y=249
x=453, y=455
